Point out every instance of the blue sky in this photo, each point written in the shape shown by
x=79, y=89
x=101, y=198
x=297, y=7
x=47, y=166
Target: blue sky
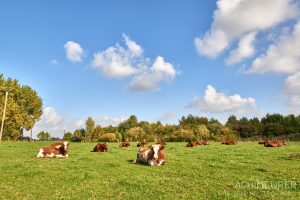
x=159, y=60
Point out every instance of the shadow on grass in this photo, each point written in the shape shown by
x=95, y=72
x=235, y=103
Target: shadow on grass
x=131, y=161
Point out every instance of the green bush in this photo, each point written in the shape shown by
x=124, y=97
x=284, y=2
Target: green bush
x=108, y=137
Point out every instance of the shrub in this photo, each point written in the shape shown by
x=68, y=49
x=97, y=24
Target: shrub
x=108, y=137
x=75, y=139
x=135, y=134
x=228, y=134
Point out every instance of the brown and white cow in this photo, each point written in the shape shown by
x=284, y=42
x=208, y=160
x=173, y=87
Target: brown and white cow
x=230, y=142
x=142, y=144
x=125, y=144
x=58, y=150
x=203, y=143
x=274, y=143
x=153, y=155
x=100, y=148
x=161, y=142
x=191, y=144
x=263, y=141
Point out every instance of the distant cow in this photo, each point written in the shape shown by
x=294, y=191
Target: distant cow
x=191, y=144
x=274, y=143
x=58, y=150
x=125, y=144
x=161, y=142
x=203, y=143
x=263, y=141
x=153, y=155
x=100, y=148
x=230, y=142
x=142, y=144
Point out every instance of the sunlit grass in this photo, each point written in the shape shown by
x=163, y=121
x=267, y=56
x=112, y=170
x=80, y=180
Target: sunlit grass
x=205, y=172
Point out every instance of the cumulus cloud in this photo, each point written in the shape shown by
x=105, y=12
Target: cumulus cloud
x=114, y=63
x=51, y=122
x=120, y=62
x=55, y=123
x=235, y=18
x=109, y=120
x=74, y=51
x=218, y=102
x=245, y=49
x=292, y=89
x=212, y=43
x=133, y=47
x=79, y=124
x=282, y=57
x=50, y=116
x=168, y=117
x=160, y=71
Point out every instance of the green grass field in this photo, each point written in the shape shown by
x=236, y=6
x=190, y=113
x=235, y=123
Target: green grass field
x=243, y=171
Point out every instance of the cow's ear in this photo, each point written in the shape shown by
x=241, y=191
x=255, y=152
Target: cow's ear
x=162, y=147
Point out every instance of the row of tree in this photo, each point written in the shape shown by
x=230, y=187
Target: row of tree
x=24, y=108
x=189, y=128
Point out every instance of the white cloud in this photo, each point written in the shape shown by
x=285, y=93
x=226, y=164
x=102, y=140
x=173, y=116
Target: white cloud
x=235, y=18
x=109, y=120
x=50, y=116
x=292, y=89
x=282, y=57
x=168, y=117
x=218, y=102
x=133, y=47
x=53, y=62
x=120, y=62
x=245, y=49
x=150, y=79
x=74, y=51
x=50, y=122
x=79, y=124
x=55, y=124
x=212, y=44
x=114, y=62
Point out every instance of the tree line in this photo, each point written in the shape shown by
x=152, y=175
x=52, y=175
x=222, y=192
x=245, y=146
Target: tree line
x=189, y=128
x=24, y=109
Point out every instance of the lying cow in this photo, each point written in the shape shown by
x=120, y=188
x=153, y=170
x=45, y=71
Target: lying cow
x=153, y=155
x=125, y=144
x=100, y=148
x=191, y=144
x=274, y=143
x=230, y=142
x=161, y=142
x=58, y=150
x=203, y=143
x=263, y=141
x=142, y=144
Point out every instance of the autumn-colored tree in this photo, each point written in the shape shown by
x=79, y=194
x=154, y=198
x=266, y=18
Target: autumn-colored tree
x=23, y=110
x=201, y=132
x=90, y=126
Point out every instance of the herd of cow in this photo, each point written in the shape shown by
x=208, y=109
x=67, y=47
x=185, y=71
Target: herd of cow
x=152, y=155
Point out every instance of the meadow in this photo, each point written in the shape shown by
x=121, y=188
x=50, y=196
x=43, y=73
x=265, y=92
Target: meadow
x=243, y=171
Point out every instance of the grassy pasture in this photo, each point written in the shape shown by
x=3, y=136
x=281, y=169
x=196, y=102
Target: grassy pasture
x=243, y=171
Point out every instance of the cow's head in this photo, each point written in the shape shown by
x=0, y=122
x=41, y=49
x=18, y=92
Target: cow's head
x=105, y=146
x=65, y=145
x=156, y=149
